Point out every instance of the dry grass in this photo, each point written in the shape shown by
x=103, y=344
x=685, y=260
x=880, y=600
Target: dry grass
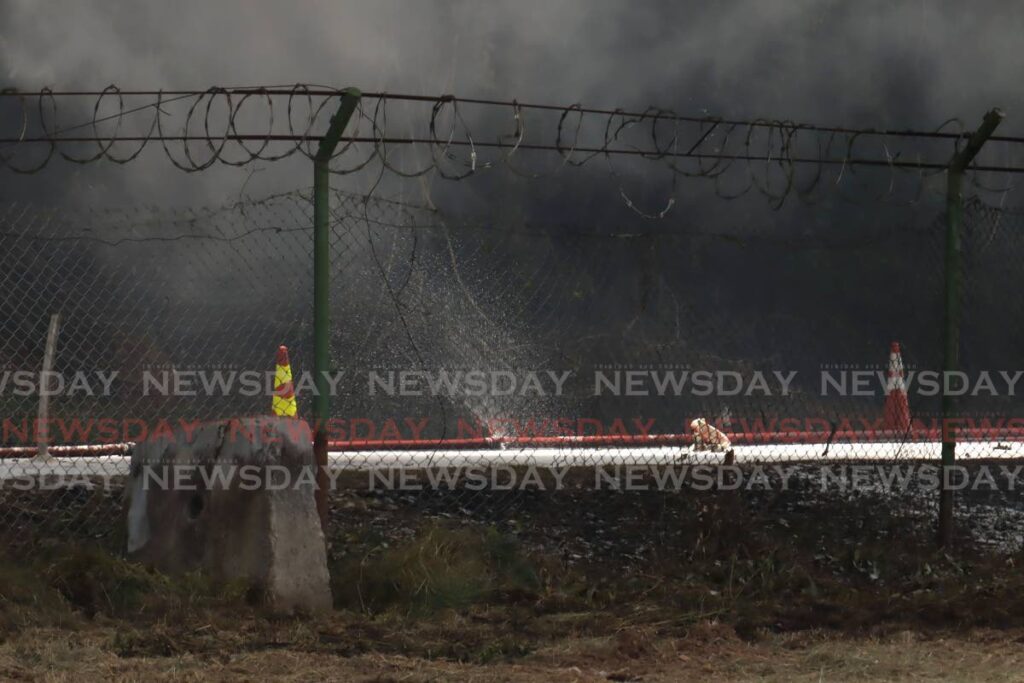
x=710, y=653
x=455, y=605
x=578, y=589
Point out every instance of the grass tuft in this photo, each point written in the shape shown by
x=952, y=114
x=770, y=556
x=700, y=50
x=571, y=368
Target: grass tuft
x=440, y=568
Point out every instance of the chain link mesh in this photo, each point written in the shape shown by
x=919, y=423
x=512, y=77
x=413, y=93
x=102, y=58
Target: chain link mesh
x=167, y=299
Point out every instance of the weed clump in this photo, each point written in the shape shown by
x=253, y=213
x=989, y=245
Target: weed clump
x=439, y=568
x=62, y=584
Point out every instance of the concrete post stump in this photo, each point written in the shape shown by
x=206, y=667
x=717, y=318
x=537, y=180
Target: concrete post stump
x=234, y=499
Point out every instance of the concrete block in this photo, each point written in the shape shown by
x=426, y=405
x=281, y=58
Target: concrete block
x=234, y=499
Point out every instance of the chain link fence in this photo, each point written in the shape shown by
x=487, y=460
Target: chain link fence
x=463, y=343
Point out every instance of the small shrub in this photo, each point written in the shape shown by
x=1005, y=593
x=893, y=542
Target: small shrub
x=61, y=580
x=439, y=569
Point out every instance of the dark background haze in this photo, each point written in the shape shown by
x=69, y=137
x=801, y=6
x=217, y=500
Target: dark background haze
x=738, y=284
x=878, y=64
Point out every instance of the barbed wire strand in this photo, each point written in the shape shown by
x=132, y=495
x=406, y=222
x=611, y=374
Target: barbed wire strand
x=766, y=152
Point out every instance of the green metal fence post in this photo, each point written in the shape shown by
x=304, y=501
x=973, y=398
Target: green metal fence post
x=321, y=289
x=951, y=328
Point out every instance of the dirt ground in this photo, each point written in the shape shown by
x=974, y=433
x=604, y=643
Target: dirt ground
x=575, y=585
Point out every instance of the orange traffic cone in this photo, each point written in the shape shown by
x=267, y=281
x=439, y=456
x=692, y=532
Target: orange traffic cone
x=283, y=403
x=897, y=408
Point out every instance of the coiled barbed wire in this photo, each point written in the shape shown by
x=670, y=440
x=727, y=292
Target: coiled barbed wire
x=737, y=156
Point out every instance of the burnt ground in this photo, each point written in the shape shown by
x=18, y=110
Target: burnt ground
x=765, y=559
x=595, y=583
